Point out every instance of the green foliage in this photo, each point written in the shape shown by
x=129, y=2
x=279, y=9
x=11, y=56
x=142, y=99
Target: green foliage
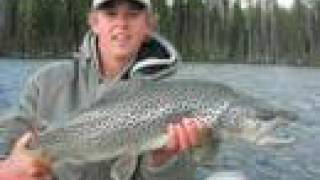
x=214, y=30
x=45, y=27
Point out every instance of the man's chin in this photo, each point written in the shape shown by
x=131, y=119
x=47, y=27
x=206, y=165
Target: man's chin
x=123, y=51
x=125, y=55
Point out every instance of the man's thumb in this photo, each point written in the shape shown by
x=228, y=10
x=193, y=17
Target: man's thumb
x=23, y=141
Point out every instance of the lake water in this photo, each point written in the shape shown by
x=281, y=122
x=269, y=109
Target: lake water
x=294, y=87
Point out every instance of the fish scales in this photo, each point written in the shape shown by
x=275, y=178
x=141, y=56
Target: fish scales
x=132, y=116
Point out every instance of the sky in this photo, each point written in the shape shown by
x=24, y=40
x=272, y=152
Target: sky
x=282, y=3
x=285, y=3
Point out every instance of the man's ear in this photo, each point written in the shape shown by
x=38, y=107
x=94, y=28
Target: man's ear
x=153, y=26
x=153, y=22
x=93, y=21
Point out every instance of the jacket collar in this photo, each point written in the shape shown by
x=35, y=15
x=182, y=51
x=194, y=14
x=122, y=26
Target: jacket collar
x=156, y=58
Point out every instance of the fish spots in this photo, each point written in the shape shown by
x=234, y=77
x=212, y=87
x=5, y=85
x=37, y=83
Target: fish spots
x=131, y=118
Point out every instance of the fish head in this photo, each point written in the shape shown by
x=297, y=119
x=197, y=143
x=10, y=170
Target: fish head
x=256, y=123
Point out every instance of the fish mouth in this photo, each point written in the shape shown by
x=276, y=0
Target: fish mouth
x=259, y=125
x=272, y=120
x=269, y=114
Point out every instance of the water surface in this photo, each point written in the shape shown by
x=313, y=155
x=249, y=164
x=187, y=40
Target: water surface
x=296, y=88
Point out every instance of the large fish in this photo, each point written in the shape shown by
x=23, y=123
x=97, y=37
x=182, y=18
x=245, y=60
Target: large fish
x=132, y=116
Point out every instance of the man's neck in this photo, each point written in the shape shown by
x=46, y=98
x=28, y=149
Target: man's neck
x=112, y=66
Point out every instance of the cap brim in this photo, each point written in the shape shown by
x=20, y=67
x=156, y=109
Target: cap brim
x=104, y=3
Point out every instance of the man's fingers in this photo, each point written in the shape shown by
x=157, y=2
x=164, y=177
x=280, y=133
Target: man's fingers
x=192, y=131
x=182, y=137
x=22, y=142
x=172, y=144
x=33, y=164
x=185, y=134
x=40, y=169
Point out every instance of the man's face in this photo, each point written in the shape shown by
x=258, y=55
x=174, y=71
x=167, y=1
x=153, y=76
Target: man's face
x=121, y=27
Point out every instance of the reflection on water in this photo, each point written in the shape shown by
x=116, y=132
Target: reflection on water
x=296, y=88
x=12, y=75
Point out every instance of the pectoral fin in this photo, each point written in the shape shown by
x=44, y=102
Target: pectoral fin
x=205, y=152
x=124, y=167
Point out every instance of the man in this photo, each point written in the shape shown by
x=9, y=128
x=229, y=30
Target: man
x=121, y=44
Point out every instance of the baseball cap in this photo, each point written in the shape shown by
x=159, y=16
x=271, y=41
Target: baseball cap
x=97, y=3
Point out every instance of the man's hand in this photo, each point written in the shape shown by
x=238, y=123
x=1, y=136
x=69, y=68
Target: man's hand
x=182, y=137
x=23, y=165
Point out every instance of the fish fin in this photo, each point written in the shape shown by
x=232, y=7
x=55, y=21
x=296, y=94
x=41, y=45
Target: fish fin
x=124, y=167
x=154, y=143
x=204, y=153
x=126, y=163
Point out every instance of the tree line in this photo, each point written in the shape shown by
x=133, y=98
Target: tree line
x=236, y=31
